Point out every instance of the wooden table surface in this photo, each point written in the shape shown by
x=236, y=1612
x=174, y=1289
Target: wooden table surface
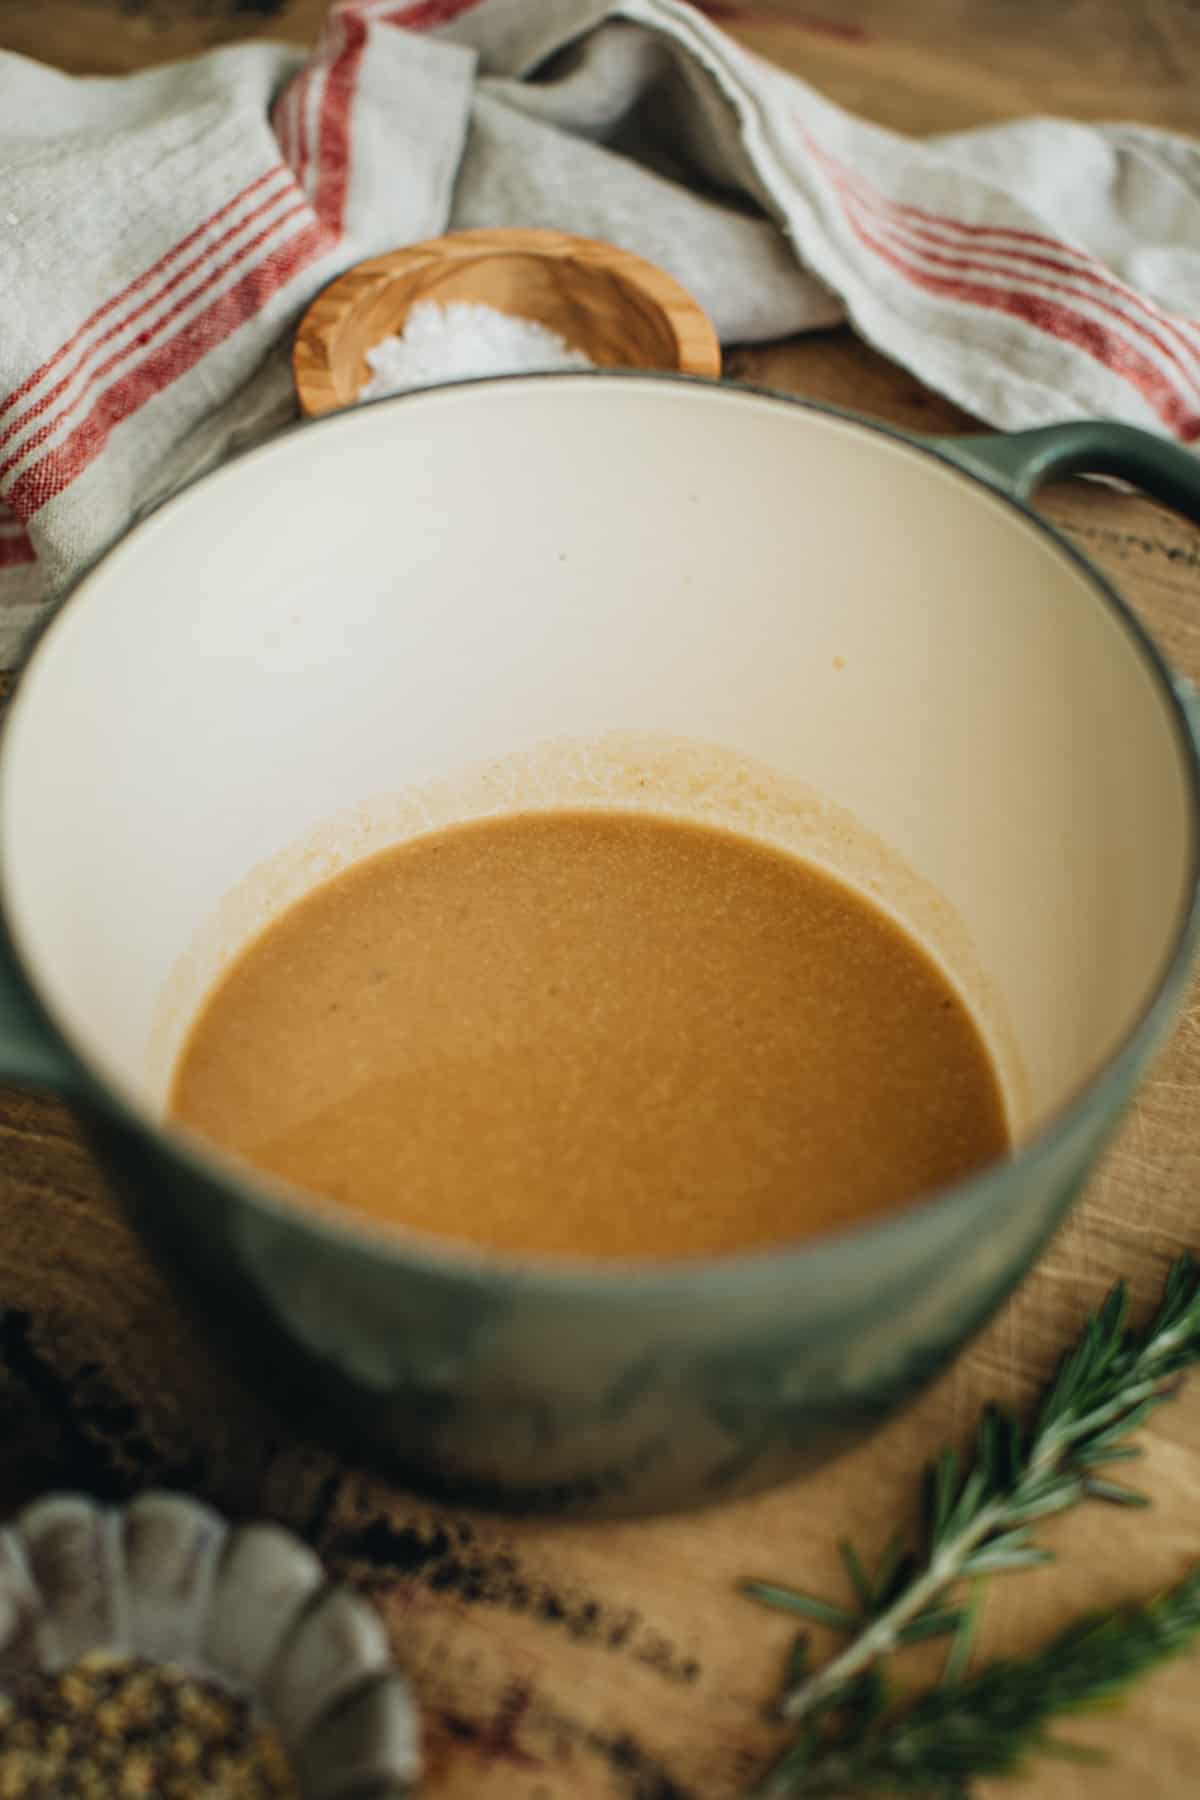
x=582, y=1662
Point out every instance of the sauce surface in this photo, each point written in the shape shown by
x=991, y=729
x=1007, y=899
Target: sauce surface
x=605, y=1034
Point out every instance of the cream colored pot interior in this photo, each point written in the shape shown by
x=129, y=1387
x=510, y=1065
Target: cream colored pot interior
x=596, y=591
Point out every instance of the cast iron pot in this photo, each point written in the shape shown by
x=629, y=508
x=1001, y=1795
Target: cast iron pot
x=512, y=593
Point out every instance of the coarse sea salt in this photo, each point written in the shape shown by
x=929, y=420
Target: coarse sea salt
x=461, y=339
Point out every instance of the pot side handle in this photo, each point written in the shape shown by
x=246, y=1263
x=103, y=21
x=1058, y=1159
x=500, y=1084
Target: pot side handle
x=1020, y=462
x=31, y=1054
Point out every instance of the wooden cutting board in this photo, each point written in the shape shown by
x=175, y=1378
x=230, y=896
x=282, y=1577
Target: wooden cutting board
x=581, y=1662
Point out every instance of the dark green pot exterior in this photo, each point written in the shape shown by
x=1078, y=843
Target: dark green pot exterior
x=639, y=1395
x=521, y=1387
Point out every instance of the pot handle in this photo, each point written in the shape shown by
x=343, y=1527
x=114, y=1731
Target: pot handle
x=31, y=1052
x=1020, y=462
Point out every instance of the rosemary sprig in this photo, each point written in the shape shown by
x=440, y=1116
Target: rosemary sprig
x=989, y=1723
x=978, y=1520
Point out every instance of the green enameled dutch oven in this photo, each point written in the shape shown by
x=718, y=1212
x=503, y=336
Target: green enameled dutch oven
x=507, y=592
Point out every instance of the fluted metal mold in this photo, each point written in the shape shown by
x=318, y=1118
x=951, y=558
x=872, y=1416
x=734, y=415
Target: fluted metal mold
x=246, y=1607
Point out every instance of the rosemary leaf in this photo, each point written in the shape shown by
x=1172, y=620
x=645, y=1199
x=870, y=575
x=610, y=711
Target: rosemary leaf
x=798, y=1661
x=859, y=1581
x=805, y=1606
x=1092, y=1457
x=993, y=1559
x=939, y=1622
x=1096, y=1489
x=959, y=1657
x=890, y=1573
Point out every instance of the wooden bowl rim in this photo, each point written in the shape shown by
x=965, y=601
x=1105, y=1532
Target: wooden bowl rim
x=699, y=353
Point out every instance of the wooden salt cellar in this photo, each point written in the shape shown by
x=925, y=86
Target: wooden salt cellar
x=620, y=311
